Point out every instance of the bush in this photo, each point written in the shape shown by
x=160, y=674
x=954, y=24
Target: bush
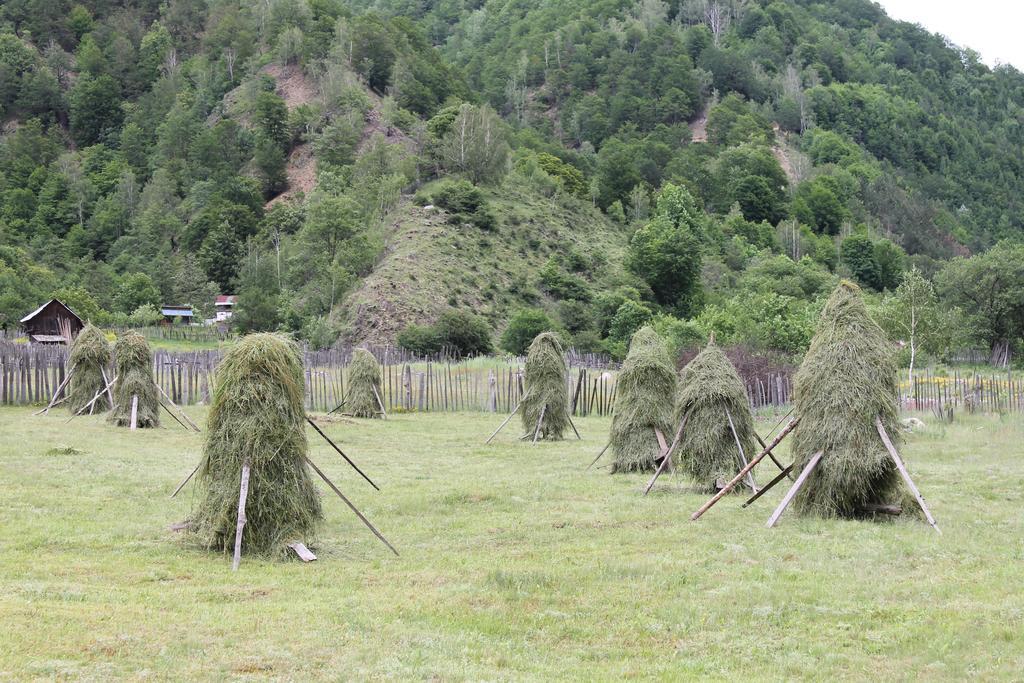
x=465, y=203
x=459, y=331
x=464, y=332
x=524, y=326
x=420, y=339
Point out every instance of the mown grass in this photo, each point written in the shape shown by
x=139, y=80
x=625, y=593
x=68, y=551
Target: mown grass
x=516, y=564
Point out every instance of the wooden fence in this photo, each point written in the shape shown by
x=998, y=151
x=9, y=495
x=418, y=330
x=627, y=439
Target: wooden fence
x=29, y=375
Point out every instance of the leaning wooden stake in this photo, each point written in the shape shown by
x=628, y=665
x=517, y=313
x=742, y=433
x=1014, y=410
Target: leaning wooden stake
x=341, y=453
x=56, y=393
x=351, y=506
x=788, y=498
x=903, y=472
x=743, y=456
x=135, y=411
x=379, y=402
x=769, y=486
x=510, y=416
x=668, y=455
x=540, y=420
x=243, y=493
x=594, y=462
x=107, y=386
x=751, y=465
x=574, y=429
x=770, y=454
x=90, y=403
x=186, y=479
x=176, y=407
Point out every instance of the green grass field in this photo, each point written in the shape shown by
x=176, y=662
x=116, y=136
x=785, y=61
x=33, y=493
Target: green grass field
x=516, y=564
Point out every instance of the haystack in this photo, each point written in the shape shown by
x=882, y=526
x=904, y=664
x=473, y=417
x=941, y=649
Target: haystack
x=257, y=417
x=133, y=365
x=88, y=360
x=848, y=378
x=545, y=389
x=364, y=385
x=711, y=391
x=643, y=402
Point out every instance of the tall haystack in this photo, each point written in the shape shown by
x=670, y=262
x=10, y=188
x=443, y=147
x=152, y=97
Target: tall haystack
x=545, y=388
x=133, y=365
x=257, y=417
x=364, y=385
x=711, y=391
x=643, y=402
x=88, y=360
x=848, y=378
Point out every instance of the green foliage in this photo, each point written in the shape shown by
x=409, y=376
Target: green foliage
x=847, y=380
x=465, y=203
x=644, y=395
x=666, y=252
x=137, y=289
x=522, y=328
x=459, y=331
x=878, y=265
x=94, y=109
x=257, y=417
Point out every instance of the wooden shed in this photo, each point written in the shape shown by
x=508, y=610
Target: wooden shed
x=52, y=323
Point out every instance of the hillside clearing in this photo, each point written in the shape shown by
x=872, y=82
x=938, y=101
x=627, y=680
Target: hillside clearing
x=516, y=564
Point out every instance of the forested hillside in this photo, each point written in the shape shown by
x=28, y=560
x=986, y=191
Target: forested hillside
x=469, y=173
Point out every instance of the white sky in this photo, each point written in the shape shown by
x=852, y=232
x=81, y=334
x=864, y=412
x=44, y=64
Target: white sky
x=992, y=28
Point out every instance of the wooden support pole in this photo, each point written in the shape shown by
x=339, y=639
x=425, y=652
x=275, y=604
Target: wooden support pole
x=540, y=420
x=668, y=455
x=502, y=425
x=56, y=393
x=904, y=473
x=743, y=456
x=107, y=386
x=379, y=402
x=187, y=479
x=770, y=454
x=187, y=419
x=751, y=465
x=769, y=486
x=243, y=493
x=594, y=461
x=788, y=498
x=662, y=443
x=351, y=506
x=341, y=453
x=90, y=403
x=574, y=428
x=135, y=411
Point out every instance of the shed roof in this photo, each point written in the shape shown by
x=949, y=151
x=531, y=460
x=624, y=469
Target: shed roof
x=226, y=299
x=176, y=310
x=41, y=308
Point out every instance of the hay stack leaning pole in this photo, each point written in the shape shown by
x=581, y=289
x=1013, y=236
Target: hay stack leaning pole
x=719, y=432
x=133, y=365
x=846, y=396
x=643, y=415
x=88, y=360
x=545, y=404
x=256, y=434
x=363, y=398
x=255, y=476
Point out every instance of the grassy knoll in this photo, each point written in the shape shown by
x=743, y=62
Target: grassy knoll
x=516, y=564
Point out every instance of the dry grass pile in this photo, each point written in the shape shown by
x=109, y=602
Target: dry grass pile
x=708, y=386
x=644, y=395
x=545, y=388
x=848, y=377
x=363, y=380
x=257, y=416
x=133, y=365
x=88, y=360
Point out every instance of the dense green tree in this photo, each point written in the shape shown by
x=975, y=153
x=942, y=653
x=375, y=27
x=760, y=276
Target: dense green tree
x=522, y=328
x=95, y=109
